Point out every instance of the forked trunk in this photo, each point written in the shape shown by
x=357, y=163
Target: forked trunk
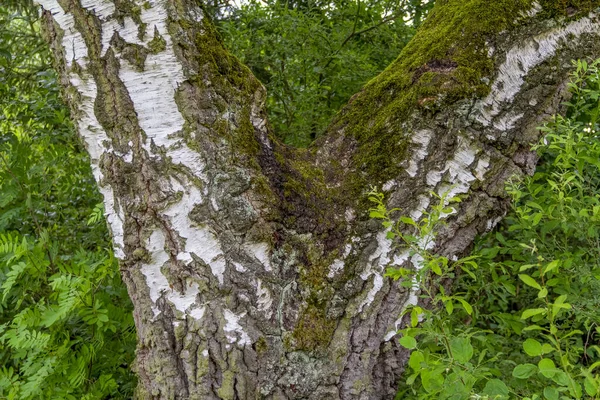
x=254, y=269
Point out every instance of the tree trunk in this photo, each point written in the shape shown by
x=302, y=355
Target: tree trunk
x=254, y=269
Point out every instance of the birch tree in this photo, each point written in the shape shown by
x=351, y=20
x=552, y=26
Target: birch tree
x=253, y=267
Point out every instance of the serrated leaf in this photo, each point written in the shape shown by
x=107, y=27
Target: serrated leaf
x=590, y=386
x=432, y=381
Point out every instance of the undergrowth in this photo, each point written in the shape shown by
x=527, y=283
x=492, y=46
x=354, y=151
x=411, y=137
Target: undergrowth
x=66, y=326
x=522, y=319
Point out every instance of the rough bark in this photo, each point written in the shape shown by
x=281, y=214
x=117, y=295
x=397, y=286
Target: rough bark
x=253, y=268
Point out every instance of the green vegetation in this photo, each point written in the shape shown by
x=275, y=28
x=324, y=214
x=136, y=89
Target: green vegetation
x=312, y=56
x=522, y=319
x=66, y=327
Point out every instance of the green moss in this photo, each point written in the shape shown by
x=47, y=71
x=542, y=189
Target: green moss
x=158, y=43
x=314, y=330
x=128, y=8
x=141, y=254
x=229, y=72
x=261, y=345
x=567, y=7
x=134, y=53
x=445, y=62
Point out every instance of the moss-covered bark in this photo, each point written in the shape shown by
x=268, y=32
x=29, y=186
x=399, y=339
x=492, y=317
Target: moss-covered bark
x=253, y=267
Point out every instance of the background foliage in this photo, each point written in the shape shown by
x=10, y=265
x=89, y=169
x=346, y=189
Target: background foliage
x=313, y=55
x=66, y=329
x=522, y=319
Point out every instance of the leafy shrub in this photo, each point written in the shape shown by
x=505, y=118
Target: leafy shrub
x=66, y=328
x=522, y=321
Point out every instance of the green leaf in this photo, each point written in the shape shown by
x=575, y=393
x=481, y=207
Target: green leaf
x=542, y=293
x=408, y=221
x=591, y=387
x=529, y=281
x=524, y=371
x=574, y=388
x=551, y=266
x=432, y=380
x=547, y=367
x=532, y=347
x=468, y=308
x=409, y=342
x=551, y=393
x=547, y=349
x=534, y=205
x=496, y=389
x=560, y=299
x=449, y=306
x=525, y=267
x=414, y=317
x=533, y=328
x=435, y=267
x=561, y=378
x=398, y=273
x=411, y=379
x=461, y=348
x=455, y=387
x=531, y=312
x=376, y=214
x=415, y=360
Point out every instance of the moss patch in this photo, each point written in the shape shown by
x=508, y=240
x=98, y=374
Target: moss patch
x=128, y=8
x=567, y=7
x=158, y=43
x=445, y=62
x=313, y=331
x=134, y=53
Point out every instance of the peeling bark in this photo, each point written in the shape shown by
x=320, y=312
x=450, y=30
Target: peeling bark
x=253, y=268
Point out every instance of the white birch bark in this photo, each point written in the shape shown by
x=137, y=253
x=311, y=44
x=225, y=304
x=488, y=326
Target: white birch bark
x=253, y=268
